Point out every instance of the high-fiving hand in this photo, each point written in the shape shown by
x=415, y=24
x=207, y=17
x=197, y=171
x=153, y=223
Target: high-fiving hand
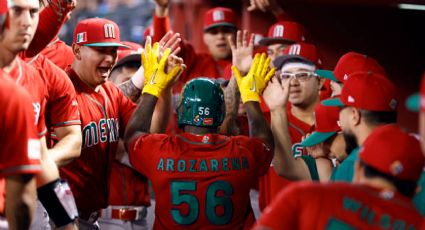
x=252, y=85
x=161, y=69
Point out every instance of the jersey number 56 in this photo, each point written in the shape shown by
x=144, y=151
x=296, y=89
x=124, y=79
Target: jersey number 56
x=180, y=194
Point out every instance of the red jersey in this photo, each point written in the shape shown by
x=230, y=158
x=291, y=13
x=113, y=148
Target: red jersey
x=19, y=145
x=29, y=78
x=127, y=187
x=307, y=205
x=271, y=184
x=62, y=106
x=104, y=116
x=59, y=53
x=201, y=182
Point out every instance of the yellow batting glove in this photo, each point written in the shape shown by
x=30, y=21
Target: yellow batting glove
x=156, y=79
x=253, y=84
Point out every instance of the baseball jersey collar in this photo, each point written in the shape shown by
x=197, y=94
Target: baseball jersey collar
x=78, y=83
x=207, y=139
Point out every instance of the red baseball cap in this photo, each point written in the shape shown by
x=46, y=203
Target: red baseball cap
x=219, y=16
x=285, y=32
x=97, y=32
x=326, y=125
x=394, y=152
x=366, y=90
x=349, y=63
x=302, y=50
x=416, y=101
x=129, y=55
x=3, y=7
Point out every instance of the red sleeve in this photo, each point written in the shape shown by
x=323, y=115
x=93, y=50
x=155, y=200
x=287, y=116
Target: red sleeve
x=62, y=107
x=52, y=17
x=19, y=145
x=161, y=25
x=283, y=211
x=144, y=151
x=283, y=17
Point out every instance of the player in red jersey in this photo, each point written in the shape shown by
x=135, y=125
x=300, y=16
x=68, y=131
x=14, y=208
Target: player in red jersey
x=104, y=114
x=385, y=180
x=303, y=97
x=201, y=180
x=18, y=168
x=128, y=190
x=52, y=192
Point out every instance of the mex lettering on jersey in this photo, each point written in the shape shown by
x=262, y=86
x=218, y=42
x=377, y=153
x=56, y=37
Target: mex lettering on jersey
x=202, y=165
x=370, y=217
x=105, y=130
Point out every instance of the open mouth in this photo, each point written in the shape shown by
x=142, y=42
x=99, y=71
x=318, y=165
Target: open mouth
x=104, y=71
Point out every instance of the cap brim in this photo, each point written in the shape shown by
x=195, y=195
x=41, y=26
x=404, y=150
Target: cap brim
x=107, y=44
x=334, y=102
x=225, y=24
x=316, y=138
x=327, y=74
x=269, y=41
x=413, y=102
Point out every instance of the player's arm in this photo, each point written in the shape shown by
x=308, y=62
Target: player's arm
x=276, y=96
x=52, y=17
x=271, y=6
x=161, y=24
x=251, y=87
x=133, y=87
x=20, y=200
x=69, y=146
x=158, y=79
x=241, y=58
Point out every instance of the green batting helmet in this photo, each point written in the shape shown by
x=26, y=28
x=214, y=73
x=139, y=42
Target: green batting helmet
x=201, y=104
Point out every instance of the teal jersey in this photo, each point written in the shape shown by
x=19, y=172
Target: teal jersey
x=345, y=171
x=312, y=167
x=419, y=198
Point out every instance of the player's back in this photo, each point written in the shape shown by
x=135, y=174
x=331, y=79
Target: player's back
x=201, y=182
x=348, y=206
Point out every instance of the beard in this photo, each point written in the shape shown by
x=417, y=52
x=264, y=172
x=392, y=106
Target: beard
x=350, y=142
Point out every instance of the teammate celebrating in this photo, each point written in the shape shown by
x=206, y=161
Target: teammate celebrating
x=201, y=179
x=18, y=168
x=369, y=101
x=52, y=192
x=386, y=175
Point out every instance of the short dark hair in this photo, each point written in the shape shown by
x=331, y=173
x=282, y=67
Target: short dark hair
x=378, y=117
x=407, y=188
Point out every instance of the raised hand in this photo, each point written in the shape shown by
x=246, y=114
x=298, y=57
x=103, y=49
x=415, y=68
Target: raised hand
x=263, y=5
x=162, y=3
x=252, y=85
x=157, y=76
x=170, y=40
x=242, y=51
x=276, y=94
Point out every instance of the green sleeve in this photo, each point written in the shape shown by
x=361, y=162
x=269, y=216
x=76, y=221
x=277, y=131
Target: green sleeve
x=311, y=164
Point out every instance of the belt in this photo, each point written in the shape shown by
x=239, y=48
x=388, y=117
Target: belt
x=125, y=213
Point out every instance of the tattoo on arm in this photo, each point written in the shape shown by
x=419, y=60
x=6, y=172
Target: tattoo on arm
x=130, y=90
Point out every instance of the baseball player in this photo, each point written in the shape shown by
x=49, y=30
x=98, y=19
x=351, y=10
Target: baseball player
x=128, y=190
x=52, y=192
x=304, y=96
x=104, y=114
x=306, y=167
x=368, y=100
x=347, y=64
x=386, y=175
x=201, y=180
x=17, y=169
